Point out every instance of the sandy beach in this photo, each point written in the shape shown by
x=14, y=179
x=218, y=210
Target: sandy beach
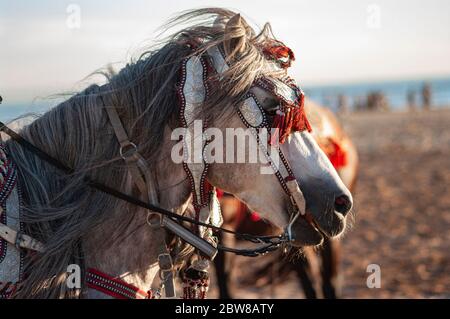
x=402, y=211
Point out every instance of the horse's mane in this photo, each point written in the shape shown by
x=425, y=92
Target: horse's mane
x=59, y=210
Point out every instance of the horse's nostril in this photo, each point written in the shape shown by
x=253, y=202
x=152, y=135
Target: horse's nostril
x=342, y=204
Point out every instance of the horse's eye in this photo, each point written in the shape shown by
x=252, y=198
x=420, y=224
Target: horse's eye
x=272, y=112
x=271, y=106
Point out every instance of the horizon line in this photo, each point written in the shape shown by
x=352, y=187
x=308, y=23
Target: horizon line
x=43, y=99
x=378, y=80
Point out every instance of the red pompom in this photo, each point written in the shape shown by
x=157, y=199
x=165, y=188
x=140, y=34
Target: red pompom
x=279, y=53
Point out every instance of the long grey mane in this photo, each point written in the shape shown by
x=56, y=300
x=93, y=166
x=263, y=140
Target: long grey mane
x=58, y=209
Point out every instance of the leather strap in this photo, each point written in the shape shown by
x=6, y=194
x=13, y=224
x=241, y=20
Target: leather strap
x=128, y=150
x=18, y=239
x=141, y=176
x=119, y=130
x=166, y=272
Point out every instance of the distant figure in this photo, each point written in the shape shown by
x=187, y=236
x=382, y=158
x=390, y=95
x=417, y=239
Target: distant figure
x=377, y=101
x=359, y=104
x=411, y=97
x=426, y=96
x=1, y=99
x=342, y=103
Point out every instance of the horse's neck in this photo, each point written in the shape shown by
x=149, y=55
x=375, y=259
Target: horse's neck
x=131, y=252
x=132, y=255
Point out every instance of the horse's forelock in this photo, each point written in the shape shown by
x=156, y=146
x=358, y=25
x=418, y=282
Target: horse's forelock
x=226, y=29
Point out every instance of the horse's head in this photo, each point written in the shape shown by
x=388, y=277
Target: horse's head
x=251, y=90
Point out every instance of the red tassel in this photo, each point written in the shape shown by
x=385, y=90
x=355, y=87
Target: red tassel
x=293, y=120
x=301, y=123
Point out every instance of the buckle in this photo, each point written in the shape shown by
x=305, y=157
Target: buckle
x=155, y=224
x=127, y=150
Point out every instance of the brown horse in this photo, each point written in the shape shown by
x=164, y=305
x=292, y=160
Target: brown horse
x=343, y=155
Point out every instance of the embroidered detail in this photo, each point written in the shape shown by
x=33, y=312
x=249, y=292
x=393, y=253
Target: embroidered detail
x=8, y=175
x=8, y=179
x=192, y=92
x=11, y=259
x=3, y=243
x=113, y=287
x=196, y=280
x=252, y=113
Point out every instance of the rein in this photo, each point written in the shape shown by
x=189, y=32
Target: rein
x=270, y=243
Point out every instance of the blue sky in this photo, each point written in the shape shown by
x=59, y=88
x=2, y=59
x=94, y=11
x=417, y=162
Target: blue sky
x=334, y=41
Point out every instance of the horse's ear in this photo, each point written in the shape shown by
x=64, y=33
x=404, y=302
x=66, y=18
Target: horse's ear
x=235, y=36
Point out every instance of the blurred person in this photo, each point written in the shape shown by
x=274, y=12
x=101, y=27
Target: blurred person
x=426, y=96
x=411, y=97
x=342, y=103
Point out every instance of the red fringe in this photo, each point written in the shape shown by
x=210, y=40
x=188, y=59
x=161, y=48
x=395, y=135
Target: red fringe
x=294, y=120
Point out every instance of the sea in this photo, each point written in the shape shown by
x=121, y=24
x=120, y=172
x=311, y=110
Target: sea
x=396, y=93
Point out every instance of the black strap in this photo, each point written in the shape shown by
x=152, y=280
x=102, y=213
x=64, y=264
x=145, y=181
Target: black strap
x=272, y=242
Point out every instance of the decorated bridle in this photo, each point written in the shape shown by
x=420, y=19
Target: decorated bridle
x=196, y=72
x=193, y=91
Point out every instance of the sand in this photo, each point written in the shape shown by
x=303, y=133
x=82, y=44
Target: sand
x=402, y=207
